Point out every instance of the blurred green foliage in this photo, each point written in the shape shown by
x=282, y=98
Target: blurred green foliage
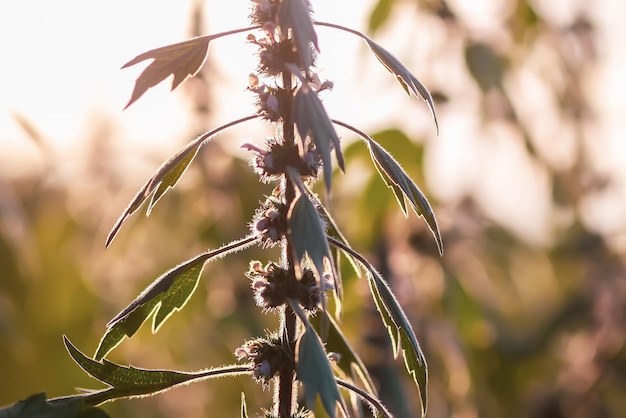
x=509, y=328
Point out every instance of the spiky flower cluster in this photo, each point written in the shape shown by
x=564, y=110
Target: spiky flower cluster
x=273, y=285
x=266, y=355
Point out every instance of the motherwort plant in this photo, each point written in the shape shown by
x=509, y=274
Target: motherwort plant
x=308, y=351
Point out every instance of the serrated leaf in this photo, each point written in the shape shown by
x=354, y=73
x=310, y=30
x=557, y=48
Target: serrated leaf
x=125, y=382
x=166, y=295
x=36, y=406
x=296, y=15
x=397, y=191
x=394, y=173
x=311, y=119
x=407, y=80
x=313, y=368
x=400, y=330
x=172, y=176
x=168, y=174
x=182, y=59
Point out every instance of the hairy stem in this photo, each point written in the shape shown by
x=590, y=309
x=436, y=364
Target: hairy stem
x=284, y=395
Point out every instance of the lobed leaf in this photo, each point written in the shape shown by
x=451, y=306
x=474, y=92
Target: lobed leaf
x=168, y=174
x=392, y=173
x=409, y=82
x=182, y=59
x=313, y=368
x=166, y=295
x=400, y=331
x=296, y=15
x=36, y=406
x=125, y=382
x=311, y=118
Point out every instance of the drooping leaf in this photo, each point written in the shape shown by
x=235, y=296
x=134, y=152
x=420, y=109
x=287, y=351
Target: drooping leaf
x=400, y=182
x=125, y=382
x=311, y=119
x=166, y=295
x=397, y=176
x=397, y=191
x=313, y=368
x=296, y=15
x=307, y=233
x=409, y=82
x=182, y=59
x=168, y=174
x=36, y=406
x=400, y=330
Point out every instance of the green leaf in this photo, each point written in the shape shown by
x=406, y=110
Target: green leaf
x=313, y=368
x=311, y=118
x=125, y=382
x=400, y=331
x=172, y=176
x=182, y=59
x=397, y=191
x=168, y=174
x=296, y=15
x=393, y=174
x=166, y=295
x=408, y=81
x=307, y=235
x=36, y=406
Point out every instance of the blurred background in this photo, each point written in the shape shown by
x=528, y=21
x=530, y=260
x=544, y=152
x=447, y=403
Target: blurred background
x=522, y=317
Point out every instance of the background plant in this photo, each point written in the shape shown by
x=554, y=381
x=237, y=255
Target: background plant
x=291, y=217
x=511, y=325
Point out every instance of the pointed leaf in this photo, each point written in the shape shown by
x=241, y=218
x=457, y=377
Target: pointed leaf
x=36, y=406
x=307, y=230
x=172, y=176
x=313, y=368
x=311, y=119
x=394, y=173
x=166, y=295
x=400, y=330
x=408, y=81
x=182, y=59
x=397, y=191
x=296, y=15
x=129, y=381
x=168, y=174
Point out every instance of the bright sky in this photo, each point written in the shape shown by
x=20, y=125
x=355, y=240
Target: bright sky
x=61, y=66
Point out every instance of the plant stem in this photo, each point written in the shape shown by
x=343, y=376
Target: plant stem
x=285, y=389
